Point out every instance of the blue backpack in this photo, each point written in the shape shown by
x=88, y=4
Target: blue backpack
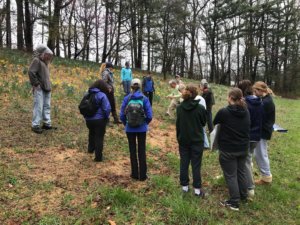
x=134, y=112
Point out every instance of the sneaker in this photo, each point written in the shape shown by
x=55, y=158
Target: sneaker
x=37, y=130
x=185, y=189
x=47, y=127
x=232, y=206
x=199, y=193
x=251, y=193
x=261, y=182
x=98, y=160
x=143, y=178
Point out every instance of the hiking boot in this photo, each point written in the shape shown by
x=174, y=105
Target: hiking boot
x=47, y=127
x=230, y=205
x=37, y=130
x=98, y=160
x=262, y=182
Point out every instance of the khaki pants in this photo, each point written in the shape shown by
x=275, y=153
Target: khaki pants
x=172, y=107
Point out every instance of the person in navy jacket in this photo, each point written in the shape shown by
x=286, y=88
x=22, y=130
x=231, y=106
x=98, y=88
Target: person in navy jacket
x=148, y=87
x=138, y=164
x=97, y=123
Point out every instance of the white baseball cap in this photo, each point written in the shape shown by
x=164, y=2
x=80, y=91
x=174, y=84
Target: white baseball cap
x=136, y=81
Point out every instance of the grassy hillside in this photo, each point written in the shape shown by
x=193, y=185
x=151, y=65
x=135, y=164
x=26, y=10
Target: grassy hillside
x=50, y=179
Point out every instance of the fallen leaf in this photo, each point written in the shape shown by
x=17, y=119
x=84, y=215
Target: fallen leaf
x=111, y=222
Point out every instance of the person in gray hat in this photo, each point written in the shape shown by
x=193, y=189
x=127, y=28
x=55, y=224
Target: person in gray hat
x=39, y=76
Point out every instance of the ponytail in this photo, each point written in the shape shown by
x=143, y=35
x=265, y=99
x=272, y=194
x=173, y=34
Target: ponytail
x=236, y=96
x=102, y=68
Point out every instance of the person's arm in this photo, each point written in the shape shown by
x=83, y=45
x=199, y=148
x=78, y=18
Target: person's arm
x=33, y=72
x=202, y=115
x=153, y=85
x=122, y=110
x=105, y=106
x=218, y=117
x=148, y=110
x=177, y=122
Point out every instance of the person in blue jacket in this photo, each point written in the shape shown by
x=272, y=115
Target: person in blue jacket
x=97, y=123
x=255, y=108
x=148, y=86
x=137, y=135
x=126, y=77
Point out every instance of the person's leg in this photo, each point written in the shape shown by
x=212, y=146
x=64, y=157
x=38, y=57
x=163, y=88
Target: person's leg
x=91, y=127
x=112, y=101
x=128, y=83
x=133, y=157
x=100, y=126
x=47, y=108
x=124, y=86
x=185, y=158
x=37, y=106
x=262, y=160
x=142, y=155
x=249, y=172
x=172, y=107
x=228, y=164
x=209, y=121
x=196, y=160
x=150, y=97
x=241, y=175
x=206, y=142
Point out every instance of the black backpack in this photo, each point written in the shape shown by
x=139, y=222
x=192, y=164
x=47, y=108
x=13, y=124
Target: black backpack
x=134, y=112
x=88, y=106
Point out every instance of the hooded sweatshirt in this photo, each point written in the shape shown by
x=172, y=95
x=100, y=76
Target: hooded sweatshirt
x=255, y=108
x=191, y=118
x=147, y=110
x=103, y=104
x=268, y=117
x=234, y=133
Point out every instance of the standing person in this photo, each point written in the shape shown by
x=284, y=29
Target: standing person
x=39, y=76
x=233, y=144
x=97, y=123
x=137, y=132
x=174, y=97
x=208, y=95
x=255, y=108
x=107, y=77
x=268, y=120
x=126, y=77
x=148, y=86
x=178, y=80
x=189, y=132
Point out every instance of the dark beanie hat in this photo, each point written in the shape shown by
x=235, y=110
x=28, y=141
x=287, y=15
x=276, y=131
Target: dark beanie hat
x=109, y=65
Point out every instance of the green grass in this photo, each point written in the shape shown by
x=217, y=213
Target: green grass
x=35, y=190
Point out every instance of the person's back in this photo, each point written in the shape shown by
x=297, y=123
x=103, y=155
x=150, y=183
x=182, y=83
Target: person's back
x=255, y=108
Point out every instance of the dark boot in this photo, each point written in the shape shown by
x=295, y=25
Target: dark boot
x=116, y=119
x=37, y=130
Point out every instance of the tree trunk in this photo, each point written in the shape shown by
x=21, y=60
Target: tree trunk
x=20, y=38
x=8, y=25
x=28, y=30
x=105, y=32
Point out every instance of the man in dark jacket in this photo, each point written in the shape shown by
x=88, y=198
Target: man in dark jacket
x=191, y=118
x=39, y=76
x=208, y=95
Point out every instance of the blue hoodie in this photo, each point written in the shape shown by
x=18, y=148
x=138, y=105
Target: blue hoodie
x=255, y=109
x=147, y=108
x=103, y=103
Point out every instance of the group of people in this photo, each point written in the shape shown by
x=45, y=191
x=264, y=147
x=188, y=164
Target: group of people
x=246, y=124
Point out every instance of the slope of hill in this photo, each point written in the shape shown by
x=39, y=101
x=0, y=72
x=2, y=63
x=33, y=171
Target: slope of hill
x=50, y=179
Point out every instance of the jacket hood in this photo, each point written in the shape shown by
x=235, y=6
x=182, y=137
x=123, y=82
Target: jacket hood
x=190, y=104
x=136, y=95
x=237, y=111
x=94, y=90
x=253, y=100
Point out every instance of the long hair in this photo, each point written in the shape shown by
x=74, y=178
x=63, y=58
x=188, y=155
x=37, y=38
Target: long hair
x=193, y=92
x=236, y=95
x=101, y=85
x=102, y=68
x=246, y=87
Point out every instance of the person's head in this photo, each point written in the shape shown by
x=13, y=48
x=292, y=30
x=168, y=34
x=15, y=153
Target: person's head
x=172, y=83
x=190, y=92
x=148, y=74
x=246, y=87
x=260, y=88
x=235, y=97
x=44, y=53
x=127, y=64
x=203, y=84
x=101, y=85
x=181, y=88
x=135, y=84
x=109, y=66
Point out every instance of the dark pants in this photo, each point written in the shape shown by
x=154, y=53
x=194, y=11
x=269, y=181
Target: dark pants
x=96, y=136
x=209, y=120
x=149, y=94
x=112, y=102
x=234, y=168
x=138, y=161
x=191, y=154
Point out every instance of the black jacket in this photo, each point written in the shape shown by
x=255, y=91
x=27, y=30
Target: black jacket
x=255, y=109
x=191, y=118
x=235, y=128
x=208, y=95
x=268, y=117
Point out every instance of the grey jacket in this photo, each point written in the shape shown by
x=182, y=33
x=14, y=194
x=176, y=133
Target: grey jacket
x=39, y=74
x=107, y=78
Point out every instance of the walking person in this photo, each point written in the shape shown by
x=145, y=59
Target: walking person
x=148, y=86
x=268, y=120
x=39, y=76
x=97, y=123
x=255, y=108
x=208, y=95
x=191, y=119
x=107, y=77
x=233, y=144
x=136, y=114
x=126, y=77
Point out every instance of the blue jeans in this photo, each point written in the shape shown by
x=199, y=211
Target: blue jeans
x=249, y=169
x=262, y=158
x=41, y=107
x=126, y=86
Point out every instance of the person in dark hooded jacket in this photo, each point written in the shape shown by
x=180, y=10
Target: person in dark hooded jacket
x=97, y=123
x=233, y=144
x=255, y=108
x=137, y=135
x=191, y=118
